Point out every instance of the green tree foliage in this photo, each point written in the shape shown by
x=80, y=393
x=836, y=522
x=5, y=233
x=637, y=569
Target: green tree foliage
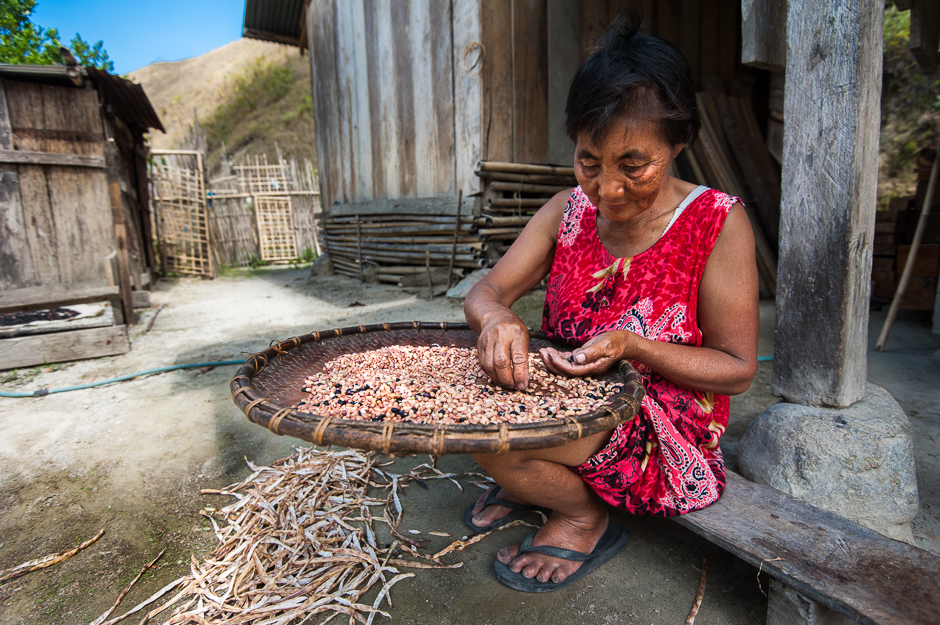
x=910, y=108
x=23, y=42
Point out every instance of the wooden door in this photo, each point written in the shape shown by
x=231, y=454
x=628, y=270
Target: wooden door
x=55, y=213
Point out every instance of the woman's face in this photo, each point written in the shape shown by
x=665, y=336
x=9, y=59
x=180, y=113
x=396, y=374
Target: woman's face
x=623, y=175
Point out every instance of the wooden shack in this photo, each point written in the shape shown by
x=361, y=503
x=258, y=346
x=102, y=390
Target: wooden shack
x=411, y=97
x=74, y=203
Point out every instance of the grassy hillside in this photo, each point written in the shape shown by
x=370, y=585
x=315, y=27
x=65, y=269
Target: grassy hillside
x=269, y=107
x=250, y=94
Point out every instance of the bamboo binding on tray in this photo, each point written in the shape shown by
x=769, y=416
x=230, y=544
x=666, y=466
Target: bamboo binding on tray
x=270, y=382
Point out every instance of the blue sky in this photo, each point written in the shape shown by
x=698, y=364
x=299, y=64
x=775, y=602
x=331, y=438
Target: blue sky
x=137, y=33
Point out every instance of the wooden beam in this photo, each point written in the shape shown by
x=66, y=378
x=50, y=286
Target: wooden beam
x=786, y=606
x=829, y=181
x=823, y=556
x=25, y=157
x=440, y=205
x=53, y=295
x=29, y=351
x=763, y=39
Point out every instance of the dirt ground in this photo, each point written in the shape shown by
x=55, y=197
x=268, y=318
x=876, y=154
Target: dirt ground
x=131, y=458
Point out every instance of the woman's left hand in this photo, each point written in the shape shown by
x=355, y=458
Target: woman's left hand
x=594, y=357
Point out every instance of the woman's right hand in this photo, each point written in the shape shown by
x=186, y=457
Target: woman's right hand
x=503, y=350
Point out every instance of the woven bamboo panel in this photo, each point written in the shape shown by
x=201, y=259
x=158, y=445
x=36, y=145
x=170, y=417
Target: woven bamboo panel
x=274, y=217
x=182, y=219
x=258, y=176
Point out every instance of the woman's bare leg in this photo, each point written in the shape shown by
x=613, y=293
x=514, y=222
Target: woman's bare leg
x=544, y=478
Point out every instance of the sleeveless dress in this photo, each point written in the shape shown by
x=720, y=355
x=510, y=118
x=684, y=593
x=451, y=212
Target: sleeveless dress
x=666, y=460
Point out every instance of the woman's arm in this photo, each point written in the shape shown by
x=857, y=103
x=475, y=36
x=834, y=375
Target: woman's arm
x=728, y=316
x=504, y=340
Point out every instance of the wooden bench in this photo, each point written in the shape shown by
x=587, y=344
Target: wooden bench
x=825, y=568
x=68, y=344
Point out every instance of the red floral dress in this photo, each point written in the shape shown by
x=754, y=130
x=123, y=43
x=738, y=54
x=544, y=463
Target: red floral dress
x=666, y=460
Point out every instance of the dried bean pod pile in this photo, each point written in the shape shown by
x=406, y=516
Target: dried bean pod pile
x=442, y=385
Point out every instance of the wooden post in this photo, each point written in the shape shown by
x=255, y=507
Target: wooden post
x=114, y=279
x=453, y=251
x=830, y=172
x=120, y=237
x=359, y=248
x=427, y=266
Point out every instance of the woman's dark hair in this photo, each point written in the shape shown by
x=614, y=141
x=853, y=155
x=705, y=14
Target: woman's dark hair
x=637, y=77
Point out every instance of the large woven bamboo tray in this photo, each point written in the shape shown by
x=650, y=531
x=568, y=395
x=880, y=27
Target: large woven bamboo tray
x=271, y=381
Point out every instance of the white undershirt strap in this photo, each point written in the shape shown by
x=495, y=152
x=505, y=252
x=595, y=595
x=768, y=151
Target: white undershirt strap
x=691, y=197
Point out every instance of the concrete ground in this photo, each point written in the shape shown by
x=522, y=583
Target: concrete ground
x=131, y=458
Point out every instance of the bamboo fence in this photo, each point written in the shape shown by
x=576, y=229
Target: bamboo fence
x=181, y=216
x=256, y=211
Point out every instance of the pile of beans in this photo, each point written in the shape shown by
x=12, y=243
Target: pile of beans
x=442, y=385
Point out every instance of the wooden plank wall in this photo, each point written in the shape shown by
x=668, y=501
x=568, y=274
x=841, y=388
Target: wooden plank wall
x=410, y=94
x=515, y=109
x=383, y=90
x=707, y=31
x=55, y=222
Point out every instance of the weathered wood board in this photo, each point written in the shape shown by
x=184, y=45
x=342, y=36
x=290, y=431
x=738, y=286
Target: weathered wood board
x=29, y=351
x=763, y=41
x=844, y=566
x=54, y=295
x=384, y=85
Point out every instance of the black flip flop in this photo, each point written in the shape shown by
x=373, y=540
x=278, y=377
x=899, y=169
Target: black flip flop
x=516, y=510
x=613, y=540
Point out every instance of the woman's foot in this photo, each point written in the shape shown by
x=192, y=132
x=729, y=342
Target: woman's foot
x=486, y=513
x=578, y=534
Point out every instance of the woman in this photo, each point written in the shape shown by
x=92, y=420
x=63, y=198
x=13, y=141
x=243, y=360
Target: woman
x=641, y=266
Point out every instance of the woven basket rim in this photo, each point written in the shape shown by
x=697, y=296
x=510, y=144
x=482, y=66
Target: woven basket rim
x=407, y=437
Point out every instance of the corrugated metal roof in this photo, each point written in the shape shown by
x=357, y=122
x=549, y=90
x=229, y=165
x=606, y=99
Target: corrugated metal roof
x=127, y=99
x=45, y=74
x=275, y=20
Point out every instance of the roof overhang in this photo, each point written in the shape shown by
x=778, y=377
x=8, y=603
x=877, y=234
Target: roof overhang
x=280, y=21
x=126, y=99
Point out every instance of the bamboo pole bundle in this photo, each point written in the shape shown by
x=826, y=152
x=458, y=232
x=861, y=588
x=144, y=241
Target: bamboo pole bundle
x=523, y=187
x=524, y=168
x=511, y=234
x=407, y=242
x=529, y=178
x=440, y=248
x=491, y=221
x=388, y=228
x=465, y=241
x=511, y=192
x=516, y=203
x=399, y=217
x=400, y=256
